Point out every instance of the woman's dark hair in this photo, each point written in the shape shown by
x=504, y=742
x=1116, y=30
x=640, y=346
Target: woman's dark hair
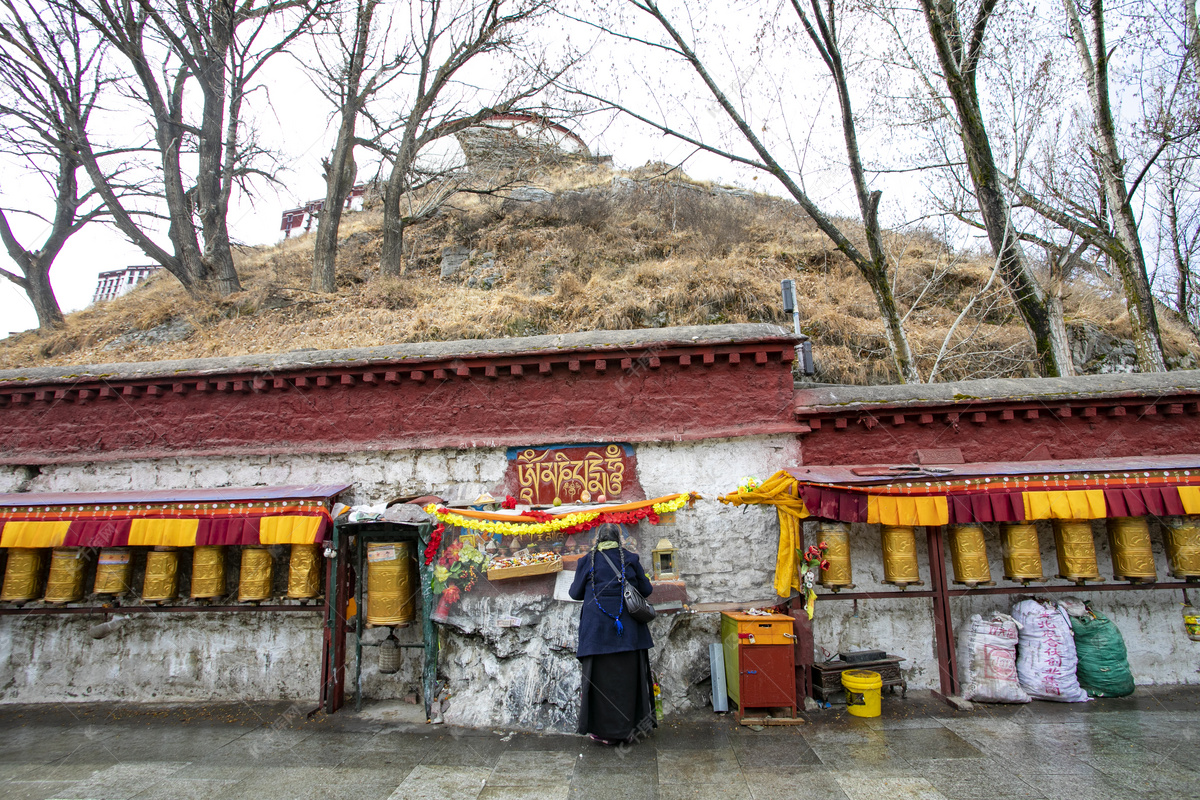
x=609, y=532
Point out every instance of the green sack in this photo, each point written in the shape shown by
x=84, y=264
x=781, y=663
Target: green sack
x=1103, y=663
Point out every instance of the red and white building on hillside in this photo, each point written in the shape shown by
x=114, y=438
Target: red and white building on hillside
x=114, y=283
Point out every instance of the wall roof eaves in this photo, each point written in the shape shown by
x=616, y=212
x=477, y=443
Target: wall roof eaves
x=1083, y=388
x=559, y=345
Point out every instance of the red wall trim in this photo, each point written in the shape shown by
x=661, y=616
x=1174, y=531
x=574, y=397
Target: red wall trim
x=999, y=431
x=658, y=393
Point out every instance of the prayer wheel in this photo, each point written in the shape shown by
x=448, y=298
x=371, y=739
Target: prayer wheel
x=113, y=568
x=1076, y=550
x=1182, y=537
x=838, y=575
x=21, y=574
x=65, y=583
x=1129, y=544
x=391, y=593
x=208, y=571
x=255, y=580
x=304, y=571
x=162, y=575
x=1022, y=553
x=900, y=556
x=968, y=554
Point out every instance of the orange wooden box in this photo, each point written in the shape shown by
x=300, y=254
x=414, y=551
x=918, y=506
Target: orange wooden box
x=772, y=629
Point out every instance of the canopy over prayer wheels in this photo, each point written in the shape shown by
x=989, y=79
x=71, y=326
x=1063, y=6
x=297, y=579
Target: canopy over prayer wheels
x=1022, y=553
x=1129, y=543
x=304, y=571
x=208, y=571
x=968, y=553
x=113, y=569
x=254, y=583
x=21, y=574
x=838, y=575
x=900, y=556
x=391, y=591
x=65, y=583
x=1076, y=550
x=1182, y=537
x=162, y=575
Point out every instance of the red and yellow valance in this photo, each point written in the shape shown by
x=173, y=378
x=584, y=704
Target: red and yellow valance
x=954, y=501
x=285, y=520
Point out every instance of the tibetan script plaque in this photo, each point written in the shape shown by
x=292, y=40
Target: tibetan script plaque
x=573, y=474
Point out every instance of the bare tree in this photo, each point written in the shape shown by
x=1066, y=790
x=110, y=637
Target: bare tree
x=958, y=53
x=52, y=73
x=348, y=79
x=444, y=37
x=1123, y=245
x=181, y=55
x=822, y=29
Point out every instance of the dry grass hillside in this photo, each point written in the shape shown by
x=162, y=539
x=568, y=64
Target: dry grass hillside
x=608, y=250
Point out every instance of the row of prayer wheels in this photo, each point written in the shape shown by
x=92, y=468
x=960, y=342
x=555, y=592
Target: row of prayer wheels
x=114, y=569
x=1129, y=544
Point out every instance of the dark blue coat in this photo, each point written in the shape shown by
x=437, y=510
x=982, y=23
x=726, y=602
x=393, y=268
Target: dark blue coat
x=597, y=632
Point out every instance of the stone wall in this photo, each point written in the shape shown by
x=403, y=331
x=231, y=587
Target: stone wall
x=1149, y=620
x=523, y=677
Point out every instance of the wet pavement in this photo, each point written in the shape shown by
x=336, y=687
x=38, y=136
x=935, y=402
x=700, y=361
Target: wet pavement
x=1145, y=746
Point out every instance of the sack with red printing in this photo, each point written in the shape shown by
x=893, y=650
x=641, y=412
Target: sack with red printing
x=987, y=660
x=1046, y=658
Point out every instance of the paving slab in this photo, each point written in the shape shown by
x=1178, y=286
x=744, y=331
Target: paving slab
x=1143, y=747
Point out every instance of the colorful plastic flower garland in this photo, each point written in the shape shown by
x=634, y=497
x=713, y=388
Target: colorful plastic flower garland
x=566, y=524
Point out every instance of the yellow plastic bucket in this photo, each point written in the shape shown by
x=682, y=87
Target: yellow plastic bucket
x=862, y=692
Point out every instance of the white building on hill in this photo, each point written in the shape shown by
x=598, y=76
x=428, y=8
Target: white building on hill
x=114, y=283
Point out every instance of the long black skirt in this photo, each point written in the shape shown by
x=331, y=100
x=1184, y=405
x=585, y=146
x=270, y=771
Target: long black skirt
x=617, y=696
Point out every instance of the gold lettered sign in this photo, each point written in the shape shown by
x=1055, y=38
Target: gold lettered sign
x=573, y=473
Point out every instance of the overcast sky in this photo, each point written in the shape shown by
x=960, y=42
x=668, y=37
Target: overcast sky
x=784, y=89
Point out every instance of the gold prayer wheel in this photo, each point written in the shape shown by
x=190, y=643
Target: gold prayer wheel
x=391, y=595
x=304, y=571
x=968, y=554
x=113, y=568
x=1182, y=537
x=162, y=575
x=255, y=580
x=65, y=583
x=1076, y=551
x=839, y=574
x=900, y=556
x=1022, y=553
x=208, y=571
x=21, y=574
x=1129, y=544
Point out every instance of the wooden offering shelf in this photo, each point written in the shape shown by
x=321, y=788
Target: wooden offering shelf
x=525, y=570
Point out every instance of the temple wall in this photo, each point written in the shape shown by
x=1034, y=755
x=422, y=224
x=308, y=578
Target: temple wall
x=524, y=676
x=1149, y=620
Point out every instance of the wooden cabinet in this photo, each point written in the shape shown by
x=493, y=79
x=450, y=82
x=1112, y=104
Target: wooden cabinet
x=760, y=661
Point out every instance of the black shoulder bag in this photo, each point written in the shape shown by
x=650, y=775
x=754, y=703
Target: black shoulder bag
x=638, y=606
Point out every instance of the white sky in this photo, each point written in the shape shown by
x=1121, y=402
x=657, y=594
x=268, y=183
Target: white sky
x=787, y=95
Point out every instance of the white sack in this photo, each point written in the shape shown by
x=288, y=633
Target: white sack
x=1046, y=659
x=987, y=660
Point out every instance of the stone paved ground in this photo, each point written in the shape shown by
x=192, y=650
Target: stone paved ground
x=1146, y=746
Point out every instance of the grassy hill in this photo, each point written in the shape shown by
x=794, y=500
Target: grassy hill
x=607, y=250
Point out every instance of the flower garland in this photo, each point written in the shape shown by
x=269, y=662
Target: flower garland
x=435, y=541
x=553, y=525
x=567, y=524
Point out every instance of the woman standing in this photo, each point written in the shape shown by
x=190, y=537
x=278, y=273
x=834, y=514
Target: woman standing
x=616, y=703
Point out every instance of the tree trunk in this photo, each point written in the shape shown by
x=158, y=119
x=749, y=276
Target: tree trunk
x=210, y=198
x=391, y=254
x=1130, y=260
x=340, y=172
x=42, y=296
x=958, y=61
